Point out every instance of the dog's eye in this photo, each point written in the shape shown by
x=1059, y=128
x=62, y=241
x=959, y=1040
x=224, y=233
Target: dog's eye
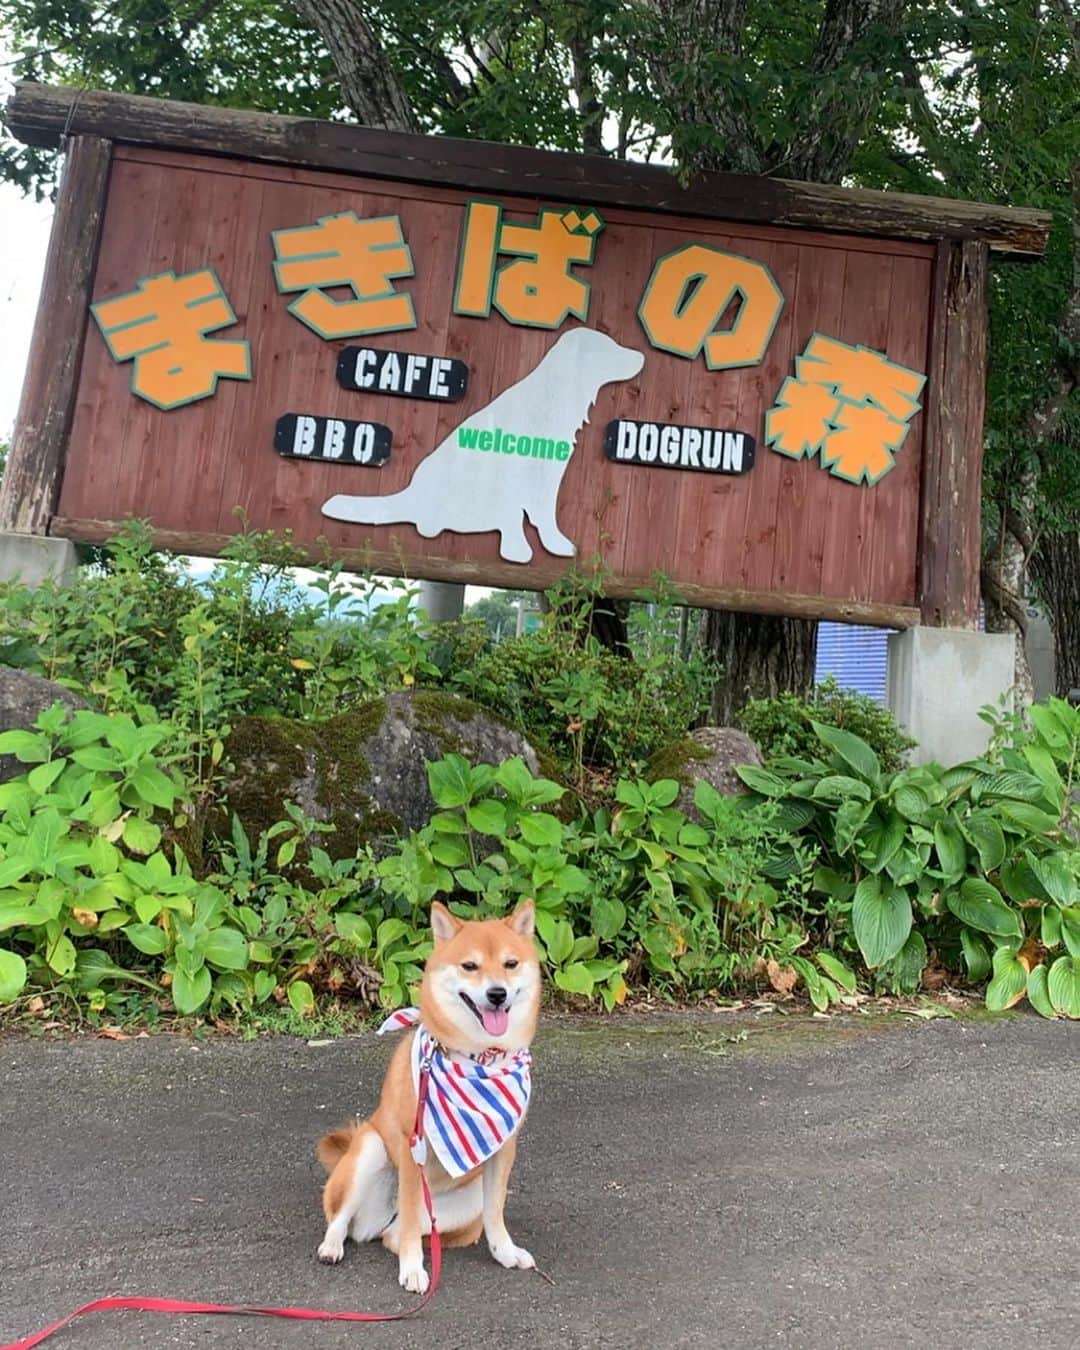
x=511, y=965
x=469, y=965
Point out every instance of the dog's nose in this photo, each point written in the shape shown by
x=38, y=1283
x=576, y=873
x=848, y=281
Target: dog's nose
x=496, y=995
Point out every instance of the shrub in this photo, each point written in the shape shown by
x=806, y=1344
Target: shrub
x=978, y=862
x=785, y=725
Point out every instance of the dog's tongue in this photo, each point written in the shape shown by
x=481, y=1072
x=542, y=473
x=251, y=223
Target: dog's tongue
x=495, y=1021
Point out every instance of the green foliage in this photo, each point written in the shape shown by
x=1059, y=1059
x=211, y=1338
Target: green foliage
x=785, y=725
x=141, y=631
x=979, y=862
x=585, y=704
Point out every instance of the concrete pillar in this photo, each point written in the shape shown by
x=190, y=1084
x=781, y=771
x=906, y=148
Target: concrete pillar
x=31, y=558
x=443, y=601
x=938, y=679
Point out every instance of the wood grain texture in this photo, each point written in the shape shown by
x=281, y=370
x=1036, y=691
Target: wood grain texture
x=38, y=114
x=32, y=478
x=507, y=575
x=785, y=528
x=950, y=520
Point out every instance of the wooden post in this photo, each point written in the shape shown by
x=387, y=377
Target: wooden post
x=35, y=466
x=952, y=467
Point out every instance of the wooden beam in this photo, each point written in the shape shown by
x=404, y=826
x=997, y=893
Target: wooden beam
x=39, y=114
x=35, y=466
x=511, y=576
x=949, y=535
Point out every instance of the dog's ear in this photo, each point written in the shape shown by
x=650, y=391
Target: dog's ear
x=523, y=919
x=443, y=923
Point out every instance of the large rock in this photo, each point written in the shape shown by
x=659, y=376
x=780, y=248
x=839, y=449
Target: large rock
x=711, y=753
x=23, y=698
x=363, y=771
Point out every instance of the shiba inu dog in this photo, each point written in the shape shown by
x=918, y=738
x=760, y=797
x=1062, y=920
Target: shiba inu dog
x=479, y=1001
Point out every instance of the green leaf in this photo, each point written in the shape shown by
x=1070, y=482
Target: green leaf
x=1038, y=992
x=147, y=937
x=488, y=817
x=190, y=991
x=854, y=751
x=980, y=905
x=606, y=917
x=881, y=917
x=976, y=957
x=1012, y=783
x=452, y=851
x=575, y=978
x=1031, y=818
x=560, y=941
x=99, y=758
x=882, y=840
x=1009, y=984
x=301, y=998
x=25, y=746
x=260, y=952
x=911, y=802
x=835, y=787
x=226, y=949
x=44, y=776
x=761, y=780
x=1056, y=880
x=907, y=966
x=61, y=955
x=448, y=822
x=663, y=792
x=541, y=830
x=152, y=785
x=148, y=907
x=12, y=975
x=835, y=968
x=388, y=932
x=951, y=850
x=707, y=800
x=1050, y=926
x=141, y=836
x=1063, y=986
x=354, y=928
x=450, y=781
x=265, y=984
x=13, y=869
x=987, y=836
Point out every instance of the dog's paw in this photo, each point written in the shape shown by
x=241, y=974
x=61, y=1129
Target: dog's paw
x=512, y=1257
x=331, y=1251
x=413, y=1277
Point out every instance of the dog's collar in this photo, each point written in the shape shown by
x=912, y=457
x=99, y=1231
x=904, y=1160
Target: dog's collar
x=410, y=1017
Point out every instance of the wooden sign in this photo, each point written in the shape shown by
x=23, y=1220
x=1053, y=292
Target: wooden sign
x=477, y=363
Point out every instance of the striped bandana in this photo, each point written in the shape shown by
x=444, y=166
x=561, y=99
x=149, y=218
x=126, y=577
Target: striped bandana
x=471, y=1109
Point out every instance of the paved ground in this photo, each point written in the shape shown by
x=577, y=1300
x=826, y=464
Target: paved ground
x=818, y=1185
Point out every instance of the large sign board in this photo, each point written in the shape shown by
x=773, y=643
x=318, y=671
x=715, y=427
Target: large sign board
x=455, y=384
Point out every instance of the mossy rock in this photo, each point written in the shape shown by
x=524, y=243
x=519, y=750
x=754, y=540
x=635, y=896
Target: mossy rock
x=711, y=753
x=364, y=771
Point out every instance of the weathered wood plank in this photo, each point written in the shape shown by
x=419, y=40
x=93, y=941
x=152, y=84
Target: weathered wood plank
x=541, y=575
x=952, y=459
x=38, y=114
x=31, y=482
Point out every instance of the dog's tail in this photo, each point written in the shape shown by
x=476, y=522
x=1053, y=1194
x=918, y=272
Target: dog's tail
x=332, y=1147
x=392, y=509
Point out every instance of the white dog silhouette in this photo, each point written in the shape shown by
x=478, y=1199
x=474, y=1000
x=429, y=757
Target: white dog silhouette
x=507, y=460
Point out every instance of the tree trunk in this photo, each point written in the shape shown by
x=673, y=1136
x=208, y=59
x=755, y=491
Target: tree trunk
x=761, y=655
x=1055, y=565
x=1002, y=586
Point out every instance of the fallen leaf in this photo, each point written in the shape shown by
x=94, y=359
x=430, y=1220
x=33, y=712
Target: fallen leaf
x=782, y=978
x=86, y=917
x=36, y=1005
x=111, y=1034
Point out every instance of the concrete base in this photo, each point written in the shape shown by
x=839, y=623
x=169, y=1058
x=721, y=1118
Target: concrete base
x=31, y=558
x=442, y=601
x=938, y=680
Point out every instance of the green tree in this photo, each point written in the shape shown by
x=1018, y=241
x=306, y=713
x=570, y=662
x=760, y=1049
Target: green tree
x=976, y=98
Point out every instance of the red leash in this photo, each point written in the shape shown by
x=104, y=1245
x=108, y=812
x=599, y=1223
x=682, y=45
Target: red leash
x=417, y=1147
